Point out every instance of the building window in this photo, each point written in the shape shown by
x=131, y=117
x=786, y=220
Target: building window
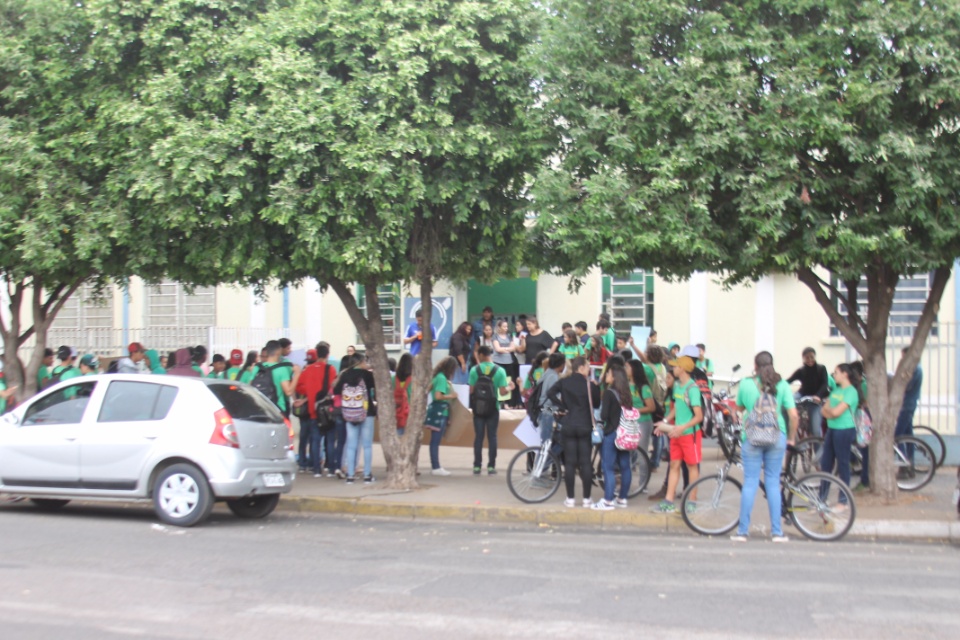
x=629, y=300
x=391, y=307
x=908, y=300
x=168, y=305
x=85, y=310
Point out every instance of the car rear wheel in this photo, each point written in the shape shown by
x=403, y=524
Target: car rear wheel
x=49, y=504
x=181, y=496
x=254, y=506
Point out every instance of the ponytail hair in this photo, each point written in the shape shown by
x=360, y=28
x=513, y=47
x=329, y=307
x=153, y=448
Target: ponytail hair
x=622, y=387
x=855, y=378
x=769, y=378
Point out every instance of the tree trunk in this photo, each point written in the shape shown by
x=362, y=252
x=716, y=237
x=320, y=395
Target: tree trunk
x=869, y=338
x=398, y=451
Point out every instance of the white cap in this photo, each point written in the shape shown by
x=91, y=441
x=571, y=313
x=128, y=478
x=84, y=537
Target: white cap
x=691, y=350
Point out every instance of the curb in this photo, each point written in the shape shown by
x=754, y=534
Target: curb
x=934, y=531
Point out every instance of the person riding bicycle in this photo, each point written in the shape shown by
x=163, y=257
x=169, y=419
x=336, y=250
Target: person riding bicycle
x=814, y=384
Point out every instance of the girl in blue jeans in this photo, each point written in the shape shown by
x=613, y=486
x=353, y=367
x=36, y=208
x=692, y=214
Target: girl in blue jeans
x=841, y=434
x=770, y=458
x=441, y=393
x=615, y=399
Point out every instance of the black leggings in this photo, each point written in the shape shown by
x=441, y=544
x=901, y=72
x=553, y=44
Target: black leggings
x=576, y=455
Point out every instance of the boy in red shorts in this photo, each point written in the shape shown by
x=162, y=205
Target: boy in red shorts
x=682, y=426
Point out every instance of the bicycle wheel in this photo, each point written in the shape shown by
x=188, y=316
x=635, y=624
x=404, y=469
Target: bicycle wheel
x=806, y=458
x=716, y=510
x=540, y=482
x=935, y=441
x=916, y=463
x=821, y=506
x=729, y=441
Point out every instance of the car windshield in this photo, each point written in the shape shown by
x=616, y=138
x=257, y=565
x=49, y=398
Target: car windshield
x=243, y=403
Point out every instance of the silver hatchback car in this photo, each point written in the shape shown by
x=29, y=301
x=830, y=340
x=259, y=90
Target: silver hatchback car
x=183, y=443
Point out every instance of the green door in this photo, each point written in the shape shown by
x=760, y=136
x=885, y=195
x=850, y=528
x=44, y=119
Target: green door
x=508, y=298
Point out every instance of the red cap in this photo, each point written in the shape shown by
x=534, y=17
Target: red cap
x=312, y=355
x=135, y=347
x=236, y=357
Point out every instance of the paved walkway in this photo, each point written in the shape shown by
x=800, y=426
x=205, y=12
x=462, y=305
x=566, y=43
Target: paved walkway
x=927, y=514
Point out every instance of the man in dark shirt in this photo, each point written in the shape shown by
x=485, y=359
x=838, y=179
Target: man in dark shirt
x=911, y=398
x=537, y=339
x=813, y=383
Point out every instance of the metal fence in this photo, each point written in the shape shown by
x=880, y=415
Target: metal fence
x=938, y=406
x=111, y=342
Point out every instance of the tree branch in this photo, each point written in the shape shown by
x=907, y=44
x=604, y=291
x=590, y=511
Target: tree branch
x=809, y=278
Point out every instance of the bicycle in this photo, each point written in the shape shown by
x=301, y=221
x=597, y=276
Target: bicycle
x=729, y=425
x=914, y=458
x=803, y=412
x=939, y=447
x=538, y=477
x=812, y=502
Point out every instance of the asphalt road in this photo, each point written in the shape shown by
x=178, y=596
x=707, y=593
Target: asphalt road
x=112, y=572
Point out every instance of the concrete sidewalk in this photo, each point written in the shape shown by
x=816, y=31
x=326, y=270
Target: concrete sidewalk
x=927, y=514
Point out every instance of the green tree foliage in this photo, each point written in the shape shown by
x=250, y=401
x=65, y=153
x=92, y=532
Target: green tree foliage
x=351, y=142
x=756, y=137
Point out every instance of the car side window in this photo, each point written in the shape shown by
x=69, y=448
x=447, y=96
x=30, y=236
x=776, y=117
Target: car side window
x=136, y=401
x=65, y=406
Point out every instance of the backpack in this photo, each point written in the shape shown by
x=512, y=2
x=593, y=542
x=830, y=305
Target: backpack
x=353, y=403
x=534, y=408
x=761, y=424
x=484, y=395
x=263, y=382
x=864, y=423
x=628, y=431
x=402, y=402
x=55, y=377
x=114, y=367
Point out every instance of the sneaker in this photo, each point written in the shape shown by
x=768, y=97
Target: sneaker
x=440, y=472
x=491, y=471
x=691, y=507
x=862, y=488
x=369, y=480
x=621, y=503
x=330, y=474
x=586, y=503
x=340, y=474
x=476, y=471
x=349, y=480
x=665, y=507
x=602, y=505
x=318, y=475
x=780, y=538
x=737, y=537
x=569, y=503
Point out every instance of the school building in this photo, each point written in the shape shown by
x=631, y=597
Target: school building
x=777, y=313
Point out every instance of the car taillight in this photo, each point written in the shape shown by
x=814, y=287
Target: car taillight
x=224, y=431
x=289, y=432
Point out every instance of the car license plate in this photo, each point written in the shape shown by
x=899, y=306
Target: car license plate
x=273, y=480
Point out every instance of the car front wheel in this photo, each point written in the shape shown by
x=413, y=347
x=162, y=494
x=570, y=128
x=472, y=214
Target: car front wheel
x=254, y=506
x=181, y=495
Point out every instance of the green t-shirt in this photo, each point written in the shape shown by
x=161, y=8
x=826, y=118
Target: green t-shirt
x=3, y=401
x=684, y=414
x=571, y=351
x=499, y=377
x=217, y=376
x=281, y=373
x=43, y=374
x=441, y=384
x=848, y=395
x=247, y=375
x=537, y=374
x=66, y=372
x=639, y=400
x=610, y=339
x=749, y=395
x=197, y=368
x=233, y=373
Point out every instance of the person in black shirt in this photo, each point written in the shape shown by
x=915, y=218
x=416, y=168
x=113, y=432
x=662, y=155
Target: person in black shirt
x=813, y=383
x=571, y=394
x=537, y=339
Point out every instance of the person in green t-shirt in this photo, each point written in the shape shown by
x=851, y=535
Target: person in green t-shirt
x=89, y=365
x=841, y=432
x=153, y=362
x=236, y=365
x=682, y=426
x=605, y=330
x=284, y=375
x=66, y=369
x=5, y=393
x=705, y=364
x=45, y=366
x=642, y=395
x=218, y=369
x=765, y=383
x=571, y=347
x=441, y=393
x=487, y=424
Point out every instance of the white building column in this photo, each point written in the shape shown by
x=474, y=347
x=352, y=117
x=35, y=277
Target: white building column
x=765, y=318
x=699, y=283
